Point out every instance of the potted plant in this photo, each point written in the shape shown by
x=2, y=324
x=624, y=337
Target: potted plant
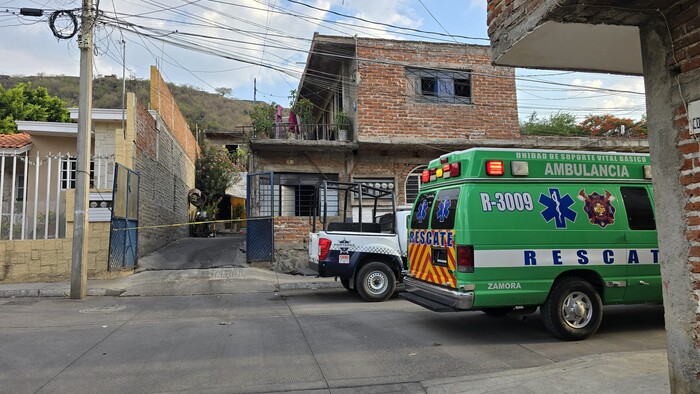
x=342, y=122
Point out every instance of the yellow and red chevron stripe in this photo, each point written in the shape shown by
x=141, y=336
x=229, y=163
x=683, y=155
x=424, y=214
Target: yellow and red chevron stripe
x=421, y=266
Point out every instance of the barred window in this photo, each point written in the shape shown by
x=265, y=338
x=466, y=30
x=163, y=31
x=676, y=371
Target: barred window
x=294, y=194
x=69, y=169
x=440, y=86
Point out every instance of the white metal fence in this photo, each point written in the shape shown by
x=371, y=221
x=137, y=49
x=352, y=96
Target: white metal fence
x=32, y=192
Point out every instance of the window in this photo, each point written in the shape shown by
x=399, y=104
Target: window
x=428, y=86
x=294, y=194
x=639, y=210
x=463, y=88
x=421, y=213
x=440, y=86
x=412, y=185
x=445, y=209
x=19, y=195
x=69, y=168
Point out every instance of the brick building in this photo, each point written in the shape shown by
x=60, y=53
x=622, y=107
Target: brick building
x=407, y=102
x=660, y=40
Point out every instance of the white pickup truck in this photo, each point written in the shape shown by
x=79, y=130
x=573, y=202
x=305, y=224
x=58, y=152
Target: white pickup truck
x=368, y=256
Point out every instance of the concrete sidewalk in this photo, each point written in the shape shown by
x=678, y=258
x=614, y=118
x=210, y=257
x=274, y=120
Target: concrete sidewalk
x=178, y=283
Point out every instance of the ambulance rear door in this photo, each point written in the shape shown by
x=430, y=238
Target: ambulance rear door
x=431, y=241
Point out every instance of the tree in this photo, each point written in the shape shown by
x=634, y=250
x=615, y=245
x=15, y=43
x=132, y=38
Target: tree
x=224, y=91
x=263, y=118
x=24, y=103
x=561, y=123
x=214, y=173
x=609, y=125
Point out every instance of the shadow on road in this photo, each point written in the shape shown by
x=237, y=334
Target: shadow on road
x=197, y=253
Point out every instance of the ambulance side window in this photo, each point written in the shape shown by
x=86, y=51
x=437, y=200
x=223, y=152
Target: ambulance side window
x=421, y=212
x=639, y=210
x=445, y=209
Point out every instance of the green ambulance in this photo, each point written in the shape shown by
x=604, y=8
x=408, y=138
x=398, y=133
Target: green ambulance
x=565, y=231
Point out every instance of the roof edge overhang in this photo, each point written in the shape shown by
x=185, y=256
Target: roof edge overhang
x=586, y=47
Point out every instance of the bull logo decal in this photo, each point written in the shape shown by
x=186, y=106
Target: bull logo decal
x=599, y=208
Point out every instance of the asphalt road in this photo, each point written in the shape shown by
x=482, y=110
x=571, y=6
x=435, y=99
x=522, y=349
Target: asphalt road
x=197, y=253
x=311, y=341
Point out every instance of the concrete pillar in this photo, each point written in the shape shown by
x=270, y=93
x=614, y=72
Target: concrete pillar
x=665, y=134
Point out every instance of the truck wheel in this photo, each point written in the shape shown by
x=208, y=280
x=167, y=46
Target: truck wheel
x=375, y=282
x=346, y=284
x=573, y=310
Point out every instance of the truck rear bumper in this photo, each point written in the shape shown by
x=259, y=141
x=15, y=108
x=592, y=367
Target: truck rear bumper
x=435, y=297
x=314, y=266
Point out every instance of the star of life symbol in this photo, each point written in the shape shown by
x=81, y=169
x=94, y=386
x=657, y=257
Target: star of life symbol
x=422, y=211
x=344, y=246
x=557, y=208
x=444, y=209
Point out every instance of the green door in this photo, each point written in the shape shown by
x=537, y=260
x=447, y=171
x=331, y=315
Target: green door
x=643, y=273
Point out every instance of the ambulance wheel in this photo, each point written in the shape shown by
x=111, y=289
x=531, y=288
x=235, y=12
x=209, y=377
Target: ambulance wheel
x=497, y=311
x=375, y=282
x=573, y=310
x=346, y=284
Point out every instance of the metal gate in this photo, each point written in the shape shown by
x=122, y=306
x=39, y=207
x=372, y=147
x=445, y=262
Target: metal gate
x=123, y=237
x=260, y=240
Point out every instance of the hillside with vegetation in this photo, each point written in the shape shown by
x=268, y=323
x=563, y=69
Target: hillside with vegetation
x=206, y=111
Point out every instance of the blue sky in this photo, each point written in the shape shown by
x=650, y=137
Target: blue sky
x=269, y=40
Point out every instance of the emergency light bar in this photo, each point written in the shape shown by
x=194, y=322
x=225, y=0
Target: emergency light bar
x=447, y=171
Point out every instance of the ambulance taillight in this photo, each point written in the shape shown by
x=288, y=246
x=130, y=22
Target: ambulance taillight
x=454, y=170
x=465, y=259
x=324, y=247
x=425, y=176
x=495, y=168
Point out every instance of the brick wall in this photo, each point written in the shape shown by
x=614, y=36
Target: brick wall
x=162, y=101
x=670, y=40
x=386, y=104
x=165, y=160
x=684, y=24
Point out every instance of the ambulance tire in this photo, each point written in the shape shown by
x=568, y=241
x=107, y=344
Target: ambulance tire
x=573, y=310
x=346, y=284
x=375, y=282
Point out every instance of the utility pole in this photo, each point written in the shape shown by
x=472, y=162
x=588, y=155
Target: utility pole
x=255, y=91
x=78, y=275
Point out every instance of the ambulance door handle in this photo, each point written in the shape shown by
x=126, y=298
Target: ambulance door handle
x=449, y=271
x=643, y=283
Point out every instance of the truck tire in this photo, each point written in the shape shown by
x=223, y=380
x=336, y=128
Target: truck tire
x=375, y=282
x=573, y=310
x=346, y=284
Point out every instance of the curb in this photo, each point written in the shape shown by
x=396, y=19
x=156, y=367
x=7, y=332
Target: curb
x=307, y=286
x=57, y=292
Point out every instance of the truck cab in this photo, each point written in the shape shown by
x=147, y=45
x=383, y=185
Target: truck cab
x=360, y=237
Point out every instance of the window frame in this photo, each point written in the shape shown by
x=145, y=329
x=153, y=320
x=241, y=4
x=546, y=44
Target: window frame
x=445, y=82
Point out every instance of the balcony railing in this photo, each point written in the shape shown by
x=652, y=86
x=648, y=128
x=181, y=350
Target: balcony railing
x=283, y=131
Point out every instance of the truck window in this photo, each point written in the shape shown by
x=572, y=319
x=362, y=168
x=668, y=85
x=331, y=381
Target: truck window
x=445, y=209
x=639, y=211
x=421, y=212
